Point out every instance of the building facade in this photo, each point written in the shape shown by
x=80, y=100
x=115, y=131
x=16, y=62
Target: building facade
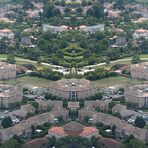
x=10, y=94
x=140, y=33
x=54, y=29
x=140, y=71
x=137, y=94
x=7, y=71
x=73, y=89
x=6, y=33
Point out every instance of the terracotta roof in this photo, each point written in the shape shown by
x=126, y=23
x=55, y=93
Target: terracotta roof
x=5, y=31
x=89, y=130
x=82, y=27
x=141, y=31
x=57, y=130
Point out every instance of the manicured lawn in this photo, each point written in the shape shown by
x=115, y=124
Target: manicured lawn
x=111, y=81
x=34, y=81
x=119, y=80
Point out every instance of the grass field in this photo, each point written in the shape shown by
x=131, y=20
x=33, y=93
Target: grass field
x=111, y=81
x=34, y=81
x=21, y=81
x=119, y=80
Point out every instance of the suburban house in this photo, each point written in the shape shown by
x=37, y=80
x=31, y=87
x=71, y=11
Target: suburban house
x=140, y=33
x=6, y=33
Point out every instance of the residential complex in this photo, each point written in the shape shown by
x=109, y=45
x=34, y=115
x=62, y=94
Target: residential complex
x=7, y=71
x=10, y=94
x=140, y=71
x=24, y=128
x=73, y=128
x=141, y=33
x=58, y=132
x=54, y=29
x=91, y=29
x=137, y=94
x=88, y=132
x=6, y=33
x=73, y=89
x=122, y=127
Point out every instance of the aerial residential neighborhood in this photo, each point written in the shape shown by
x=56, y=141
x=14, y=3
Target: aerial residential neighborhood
x=73, y=74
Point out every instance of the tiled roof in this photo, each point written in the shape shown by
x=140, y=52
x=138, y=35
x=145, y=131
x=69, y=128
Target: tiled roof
x=88, y=131
x=57, y=130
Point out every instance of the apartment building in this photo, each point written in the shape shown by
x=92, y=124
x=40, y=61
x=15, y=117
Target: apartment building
x=10, y=94
x=73, y=89
x=91, y=29
x=137, y=94
x=7, y=71
x=140, y=71
x=24, y=128
x=54, y=29
x=122, y=127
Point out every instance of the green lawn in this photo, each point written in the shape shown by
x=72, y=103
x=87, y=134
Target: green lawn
x=111, y=81
x=34, y=81
x=119, y=80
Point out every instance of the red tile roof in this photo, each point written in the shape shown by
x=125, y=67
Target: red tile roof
x=88, y=131
x=57, y=130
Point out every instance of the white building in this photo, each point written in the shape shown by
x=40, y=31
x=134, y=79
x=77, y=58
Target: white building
x=140, y=33
x=54, y=29
x=6, y=33
x=91, y=29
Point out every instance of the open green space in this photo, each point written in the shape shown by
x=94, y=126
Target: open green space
x=34, y=81
x=111, y=81
x=21, y=81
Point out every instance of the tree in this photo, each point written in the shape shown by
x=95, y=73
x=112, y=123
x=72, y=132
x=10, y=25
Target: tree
x=48, y=96
x=90, y=12
x=11, y=58
x=39, y=61
x=135, y=58
x=135, y=143
x=27, y=4
x=119, y=4
x=140, y=122
x=11, y=143
x=6, y=122
x=144, y=46
x=48, y=10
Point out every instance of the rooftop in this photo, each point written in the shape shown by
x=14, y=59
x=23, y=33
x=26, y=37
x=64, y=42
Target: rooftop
x=73, y=84
x=57, y=130
x=89, y=130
